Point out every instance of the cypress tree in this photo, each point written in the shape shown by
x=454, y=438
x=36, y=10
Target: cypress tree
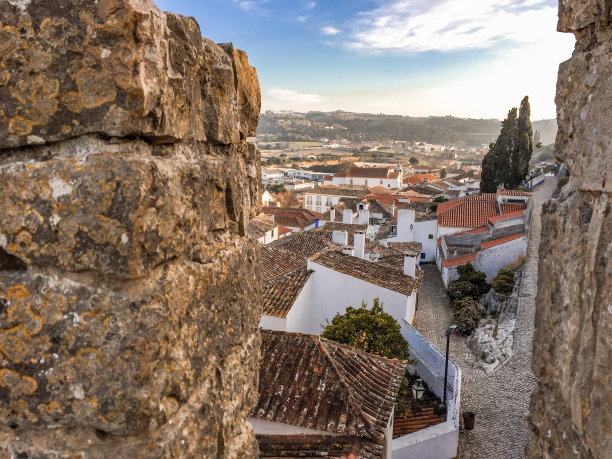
x=497, y=164
x=525, y=144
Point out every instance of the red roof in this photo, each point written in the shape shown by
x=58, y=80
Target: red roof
x=514, y=193
x=501, y=240
x=474, y=211
x=494, y=220
x=283, y=230
x=459, y=260
x=482, y=229
x=509, y=208
x=370, y=172
x=292, y=217
x=419, y=178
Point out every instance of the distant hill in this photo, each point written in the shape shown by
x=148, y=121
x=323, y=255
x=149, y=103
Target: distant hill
x=312, y=126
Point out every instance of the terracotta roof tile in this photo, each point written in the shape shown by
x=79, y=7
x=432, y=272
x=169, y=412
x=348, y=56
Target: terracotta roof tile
x=510, y=208
x=497, y=218
x=292, y=217
x=419, y=178
x=311, y=382
x=501, y=240
x=482, y=229
x=260, y=225
x=423, y=190
x=275, y=261
x=375, y=273
x=280, y=293
x=459, y=260
x=304, y=243
x=418, y=418
x=371, y=172
x=514, y=193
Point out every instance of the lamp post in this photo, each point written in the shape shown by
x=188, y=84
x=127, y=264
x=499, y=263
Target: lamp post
x=417, y=391
x=449, y=331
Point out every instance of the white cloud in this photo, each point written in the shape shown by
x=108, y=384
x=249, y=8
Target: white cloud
x=250, y=5
x=330, y=31
x=447, y=25
x=280, y=97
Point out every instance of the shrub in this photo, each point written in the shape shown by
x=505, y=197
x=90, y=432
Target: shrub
x=478, y=278
x=467, y=317
x=371, y=330
x=463, y=303
x=461, y=289
x=516, y=264
x=503, y=282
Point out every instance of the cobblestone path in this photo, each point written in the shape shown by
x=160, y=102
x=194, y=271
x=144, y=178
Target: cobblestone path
x=500, y=400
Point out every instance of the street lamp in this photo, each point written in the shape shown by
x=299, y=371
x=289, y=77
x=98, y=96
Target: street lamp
x=418, y=390
x=449, y=331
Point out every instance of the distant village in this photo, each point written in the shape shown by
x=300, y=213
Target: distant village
x=330, y=240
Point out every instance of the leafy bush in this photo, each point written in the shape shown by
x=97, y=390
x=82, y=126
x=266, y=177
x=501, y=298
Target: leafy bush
x=371, y=330
x=503, y=282
x=461, y=289
x=478, y=278
x=467, y=315
x=516, y=264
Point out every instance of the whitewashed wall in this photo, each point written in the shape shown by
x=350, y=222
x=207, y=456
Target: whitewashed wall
x=442, y=440
x=494, y=258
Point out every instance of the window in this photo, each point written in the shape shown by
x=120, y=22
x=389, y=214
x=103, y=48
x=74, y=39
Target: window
x=381, y=182
x=431, y=236
x=318, y=209
x=422, y=255
x=318, y=200
x=328, y=202
x=351, y=181
x=309, y=200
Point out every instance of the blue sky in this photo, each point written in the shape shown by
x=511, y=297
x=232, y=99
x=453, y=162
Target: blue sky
x=468, y=58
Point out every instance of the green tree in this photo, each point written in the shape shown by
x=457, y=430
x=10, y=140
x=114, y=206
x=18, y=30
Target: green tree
x=443, y=173
x=507, y=162
x=414, y=161
x=371, y=330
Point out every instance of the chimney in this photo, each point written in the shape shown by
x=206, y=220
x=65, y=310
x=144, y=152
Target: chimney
x=332, y=214
x=409, y=264
x=393, y=208
x=364, y=217
x=340, y=237
x=316, y=222
x=348, y=251
x=347, y=216
x=359, y=242
x=405, y=225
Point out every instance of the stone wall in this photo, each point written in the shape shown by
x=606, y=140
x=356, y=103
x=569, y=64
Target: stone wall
x=571, y=407
x=129, y=292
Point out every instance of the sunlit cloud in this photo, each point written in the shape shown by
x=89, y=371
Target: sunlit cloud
x=278, y=98
x=250, y=5
x=449, y=25
x=330, y=31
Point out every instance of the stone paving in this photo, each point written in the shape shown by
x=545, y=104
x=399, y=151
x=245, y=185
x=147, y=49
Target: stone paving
x=500, y=400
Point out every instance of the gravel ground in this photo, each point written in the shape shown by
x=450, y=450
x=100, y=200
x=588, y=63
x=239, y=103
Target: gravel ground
x=500, y=400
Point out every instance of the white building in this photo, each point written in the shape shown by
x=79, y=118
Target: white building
x=322, y=199
x=263, y=228
x=303, y=299
x=271, y=174
x=367, y=176
x=419, y=227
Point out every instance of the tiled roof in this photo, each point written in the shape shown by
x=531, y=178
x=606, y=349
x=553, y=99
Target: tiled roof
x=459, y=260
x=339, y=226
x=280, y=293
x=514, y=193
x=419, y=178
x=497, y=218
x=305, y=243
x=371, y=172
x=452, y=182
x=468, y=214
x=482, y=229
x=283, y=230
x=423, y=190
x=439, y=184
x=379, y=190
x=292, y=217
x=510, y=208
x=395, y=248
x=310, y=382
x=337, y=191
x=501, y=240
x=419, y=417
x=375, y=273
x=275, y=261
x=260, y=225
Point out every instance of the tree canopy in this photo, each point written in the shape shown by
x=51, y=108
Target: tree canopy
x=371, y=330
x=507, y=162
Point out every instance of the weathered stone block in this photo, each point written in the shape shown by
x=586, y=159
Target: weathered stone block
x=118, y=67
x=118, y=209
